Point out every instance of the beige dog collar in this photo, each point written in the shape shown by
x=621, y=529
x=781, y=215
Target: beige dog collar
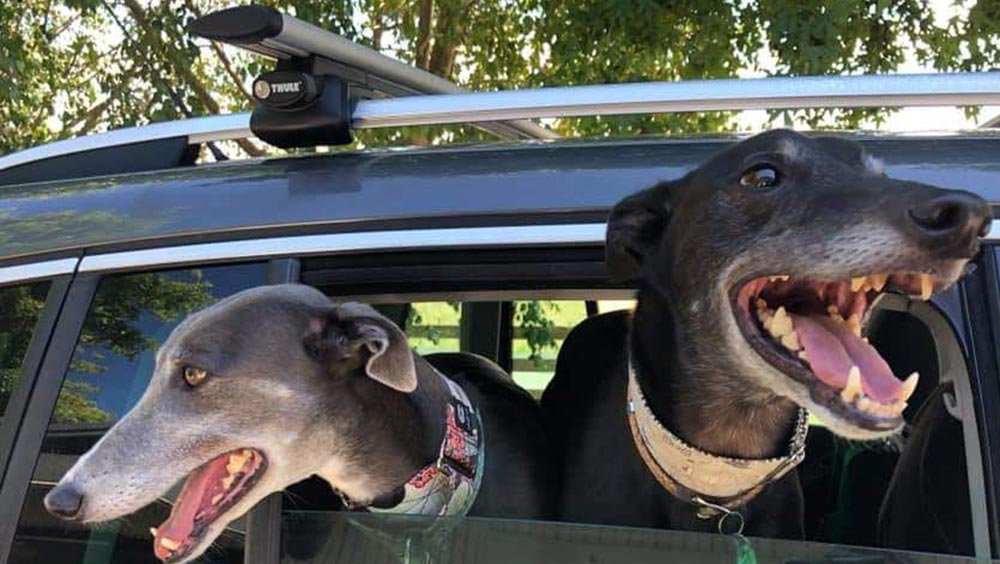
x=696, y=476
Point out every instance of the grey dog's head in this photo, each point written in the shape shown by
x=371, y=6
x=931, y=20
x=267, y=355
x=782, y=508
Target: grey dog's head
x=770, y=255
x=243, y=403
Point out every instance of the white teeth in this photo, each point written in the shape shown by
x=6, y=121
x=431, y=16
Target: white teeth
x=858, y=283
x=761, y=304
x=854, y=324
x=865, y=404
x=909, y=385
x=216, y=499
x=779, y=277
x=169, y=544
x=790, y=341
x=236, y=462
x=780, y=324
x=852, y=394
x=835, y=313
x=926, y=287
x=152, y=531
x=853, y=387
x=227, y=482
x=878, y=281
x=804, y=355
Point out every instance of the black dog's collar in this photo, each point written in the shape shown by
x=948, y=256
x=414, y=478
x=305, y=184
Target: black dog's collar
x=695, y=476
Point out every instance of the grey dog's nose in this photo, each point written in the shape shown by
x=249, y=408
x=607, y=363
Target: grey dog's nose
x=64, y=501
x=952, y=217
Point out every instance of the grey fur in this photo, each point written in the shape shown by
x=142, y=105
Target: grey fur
x=321, y=389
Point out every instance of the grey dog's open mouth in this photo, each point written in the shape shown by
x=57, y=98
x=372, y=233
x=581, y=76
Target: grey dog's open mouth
x=814, y=332
x=210, y=491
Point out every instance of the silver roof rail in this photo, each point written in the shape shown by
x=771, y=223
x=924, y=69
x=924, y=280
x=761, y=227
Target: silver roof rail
x=945, y=89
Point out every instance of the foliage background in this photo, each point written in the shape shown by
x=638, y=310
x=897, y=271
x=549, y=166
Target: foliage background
x=73, y=67
x=70, y=67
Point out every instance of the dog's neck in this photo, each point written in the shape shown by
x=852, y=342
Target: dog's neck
x=393, y=436
x=715, y=409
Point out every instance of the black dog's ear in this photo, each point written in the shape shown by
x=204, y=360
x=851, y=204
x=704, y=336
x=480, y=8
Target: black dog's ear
x=635, y=225
x=352, y=328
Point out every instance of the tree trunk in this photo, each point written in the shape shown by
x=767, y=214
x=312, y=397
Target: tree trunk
x=424, y=32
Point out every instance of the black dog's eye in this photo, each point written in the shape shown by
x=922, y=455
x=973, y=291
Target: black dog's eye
x=194, y=376
x=761, y=176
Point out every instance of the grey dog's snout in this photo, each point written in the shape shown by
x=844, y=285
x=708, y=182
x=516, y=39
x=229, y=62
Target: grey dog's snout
x=951, y=219
x=64, y=501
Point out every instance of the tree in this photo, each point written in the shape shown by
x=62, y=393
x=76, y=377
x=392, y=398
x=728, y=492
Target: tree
x=74, y=66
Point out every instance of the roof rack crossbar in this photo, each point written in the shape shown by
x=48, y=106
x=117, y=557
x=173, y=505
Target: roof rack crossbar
x=944, y=89
x=266, y=31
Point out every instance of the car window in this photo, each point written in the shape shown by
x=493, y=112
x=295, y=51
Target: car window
x=111, y=366
x=539, y=330
x=846, y=483
x=433, y=327
x=540, y=327
x=20, y=308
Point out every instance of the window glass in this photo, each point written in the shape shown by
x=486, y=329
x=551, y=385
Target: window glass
x=351, y=538
x=130, y=317
x=433, y=327
x=20, y=308
x=604, y=306
x=540, y=327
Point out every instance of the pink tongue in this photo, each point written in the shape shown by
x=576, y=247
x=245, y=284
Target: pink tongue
x=180, y=524
x=833, y=349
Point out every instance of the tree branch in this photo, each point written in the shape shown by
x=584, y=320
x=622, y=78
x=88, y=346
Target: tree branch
x=221, y=53
x=228, y=65
x=199, y=89
x=89, y=118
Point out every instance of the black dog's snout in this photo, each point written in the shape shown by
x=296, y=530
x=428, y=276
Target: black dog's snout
x=957, y=217
x=64, y=501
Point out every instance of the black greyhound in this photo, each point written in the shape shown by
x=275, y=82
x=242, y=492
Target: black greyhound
x=756, y=271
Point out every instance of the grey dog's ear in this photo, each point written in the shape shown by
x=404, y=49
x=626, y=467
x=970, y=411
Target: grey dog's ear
x=634, y=227
x=353, y=329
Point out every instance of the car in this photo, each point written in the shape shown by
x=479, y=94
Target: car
x=106, y=242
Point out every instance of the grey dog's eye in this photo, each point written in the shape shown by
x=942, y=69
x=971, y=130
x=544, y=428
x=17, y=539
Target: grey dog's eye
x=194, y=376
x=761, y=176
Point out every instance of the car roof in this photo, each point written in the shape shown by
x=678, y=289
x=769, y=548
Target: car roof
x=484, y=185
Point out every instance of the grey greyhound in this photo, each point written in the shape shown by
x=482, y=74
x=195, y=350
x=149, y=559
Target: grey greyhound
x=276, y=384
x=756, y=272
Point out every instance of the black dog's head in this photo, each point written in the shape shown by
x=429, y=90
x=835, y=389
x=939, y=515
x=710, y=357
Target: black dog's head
x=770, y=255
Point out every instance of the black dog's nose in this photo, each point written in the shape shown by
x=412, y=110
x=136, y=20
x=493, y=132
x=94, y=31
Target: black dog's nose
x=953, y=216
x=64, y=501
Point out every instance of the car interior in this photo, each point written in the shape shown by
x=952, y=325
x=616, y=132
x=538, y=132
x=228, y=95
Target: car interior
x=515, y=308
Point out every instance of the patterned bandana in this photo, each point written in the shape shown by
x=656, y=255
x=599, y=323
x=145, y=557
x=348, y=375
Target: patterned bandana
x=449, y=485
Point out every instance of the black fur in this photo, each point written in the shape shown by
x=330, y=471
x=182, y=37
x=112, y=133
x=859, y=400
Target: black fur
x=690, y=244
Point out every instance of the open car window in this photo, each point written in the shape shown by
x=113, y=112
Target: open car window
x=865, y=501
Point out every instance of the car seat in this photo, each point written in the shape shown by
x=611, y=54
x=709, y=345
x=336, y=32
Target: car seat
x=926, y=507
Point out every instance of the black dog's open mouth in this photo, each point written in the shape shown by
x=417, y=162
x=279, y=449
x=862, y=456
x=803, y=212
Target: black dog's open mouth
x=812, y=331
x=209, y=492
